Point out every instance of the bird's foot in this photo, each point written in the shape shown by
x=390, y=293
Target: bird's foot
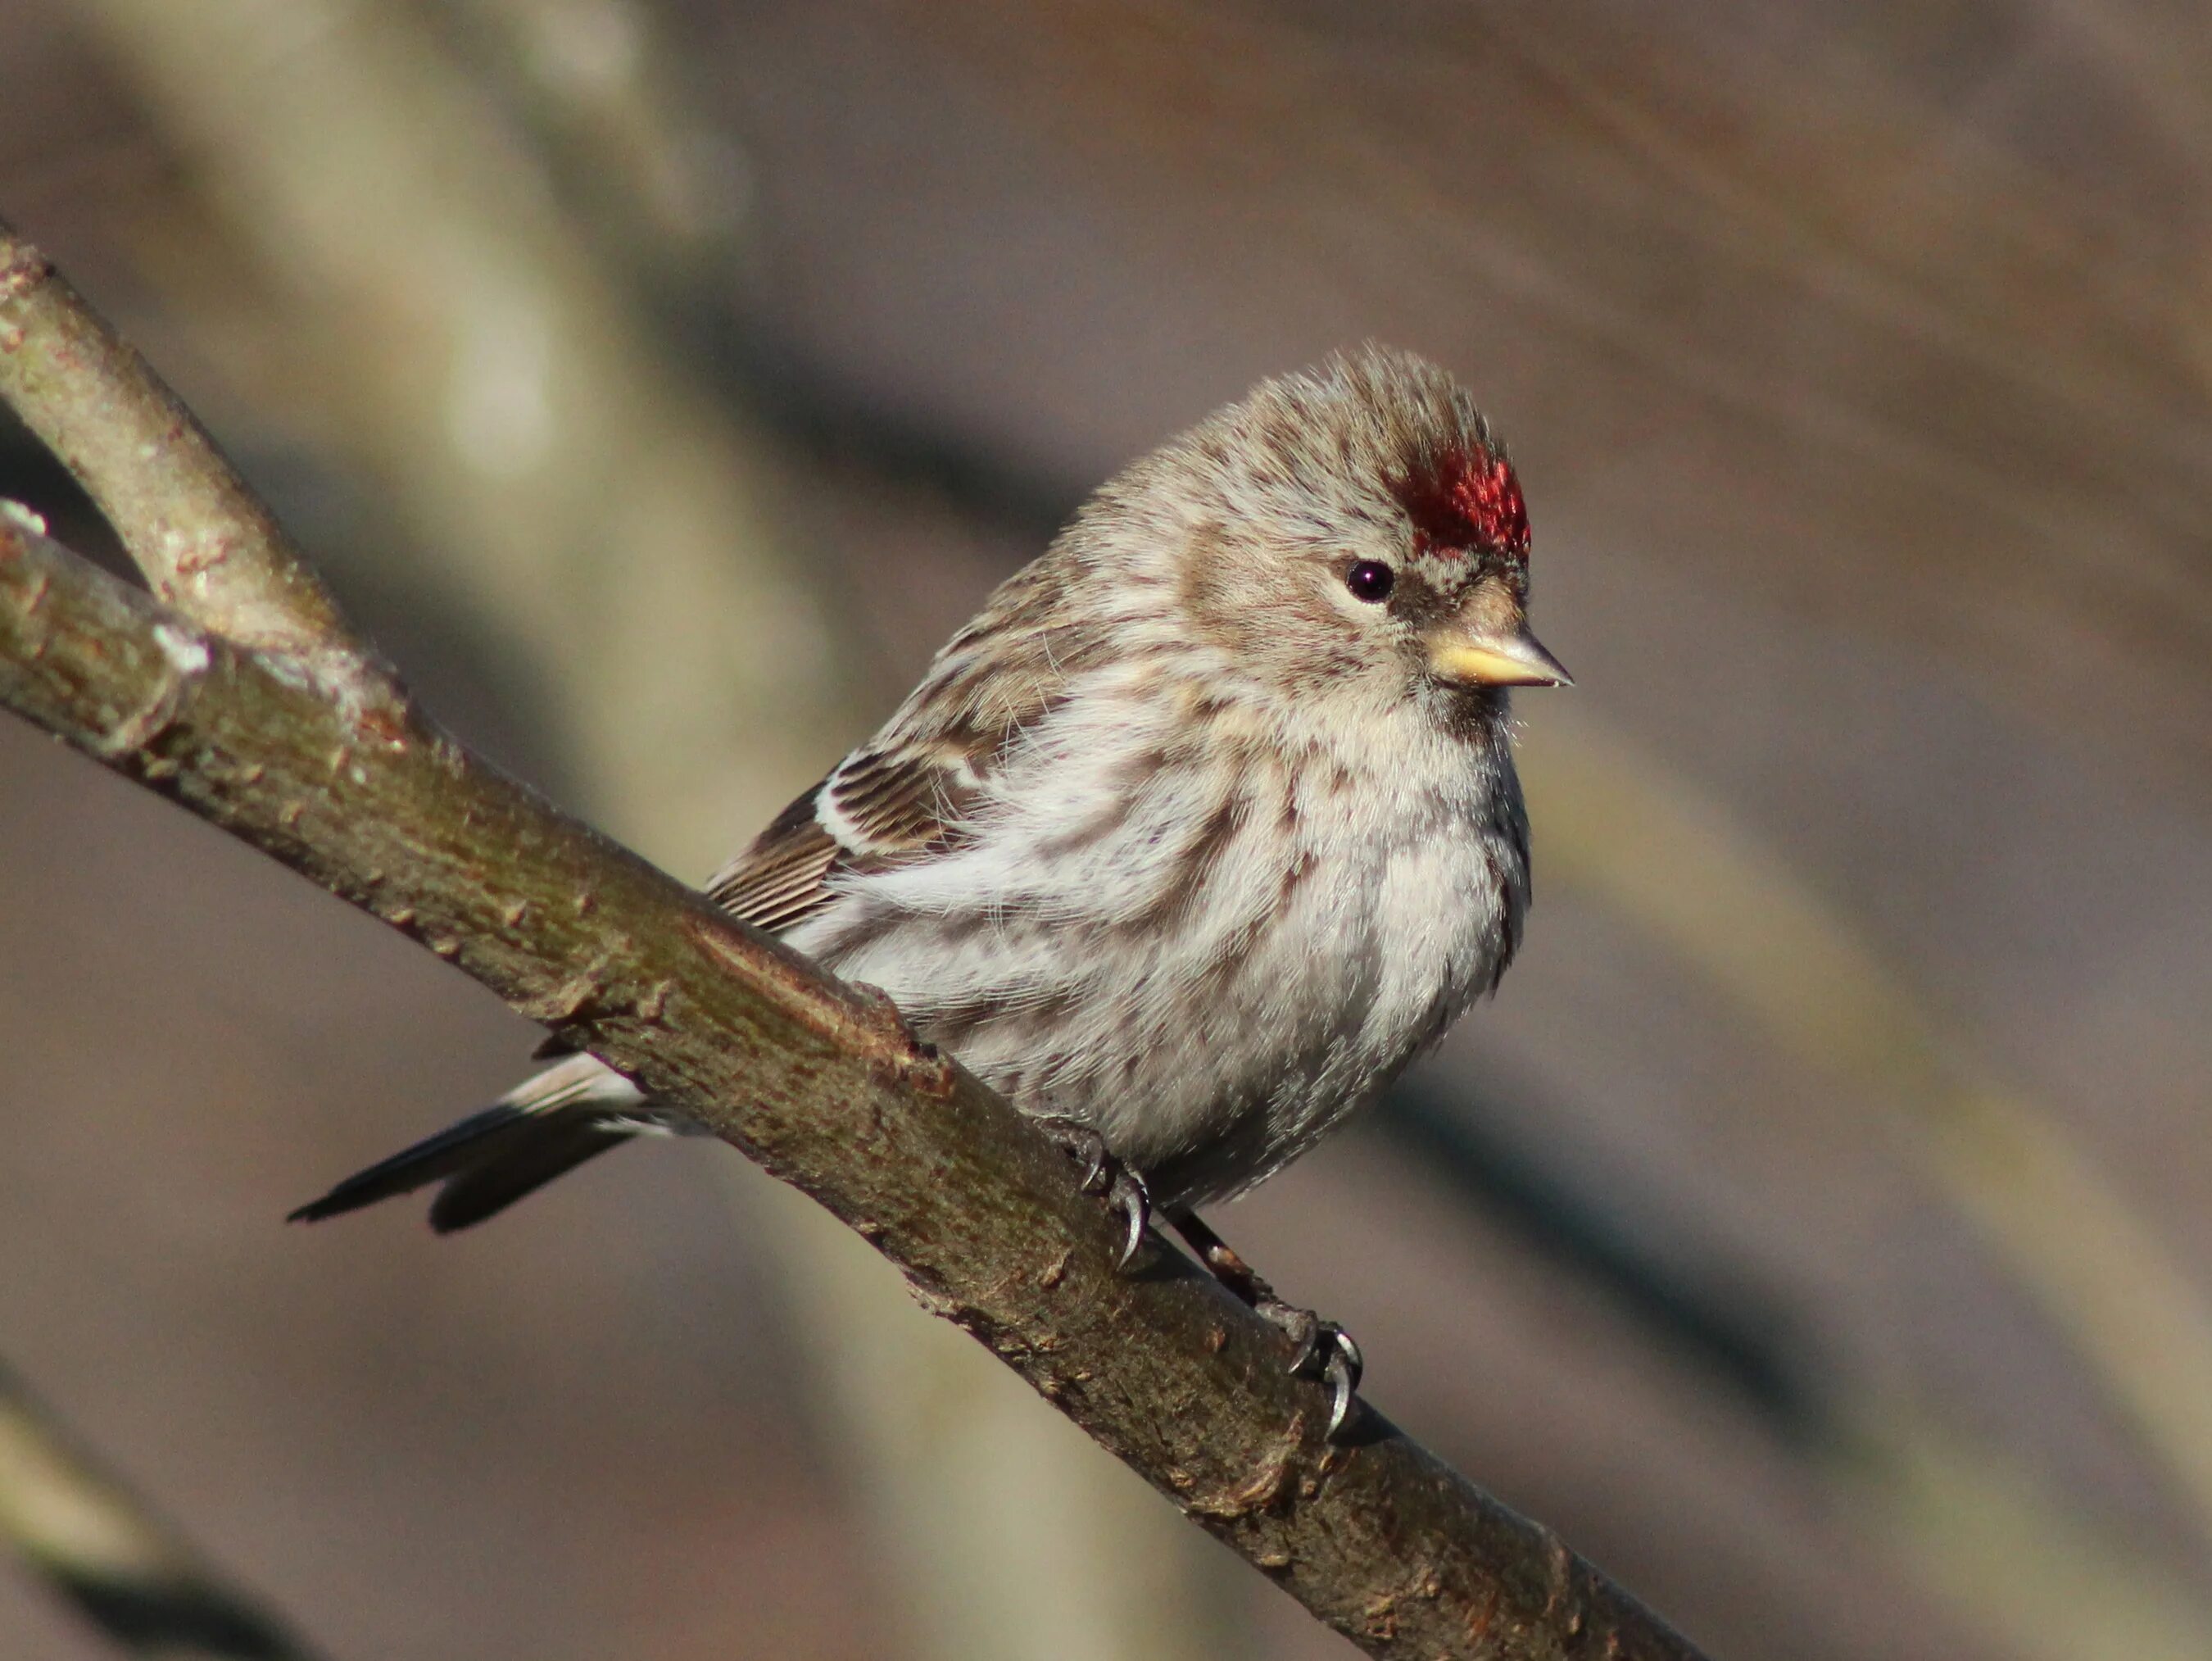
x=1325, y=1350
x=1122, y=1188
x=1326, y=1353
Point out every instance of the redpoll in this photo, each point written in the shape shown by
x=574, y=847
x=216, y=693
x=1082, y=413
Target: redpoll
x=1202, y=829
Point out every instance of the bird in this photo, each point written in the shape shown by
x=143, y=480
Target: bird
x=1202, y=829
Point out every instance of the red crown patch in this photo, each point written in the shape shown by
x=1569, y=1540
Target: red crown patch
x=1468, y=502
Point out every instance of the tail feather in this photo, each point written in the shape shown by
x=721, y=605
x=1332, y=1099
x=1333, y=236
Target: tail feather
x=553, y=1148
x=541, y=1130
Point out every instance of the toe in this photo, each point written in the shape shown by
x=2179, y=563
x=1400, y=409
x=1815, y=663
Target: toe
x=1083, y=1144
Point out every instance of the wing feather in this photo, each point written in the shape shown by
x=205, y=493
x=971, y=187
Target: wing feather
x=781, y=878
x=911, y=792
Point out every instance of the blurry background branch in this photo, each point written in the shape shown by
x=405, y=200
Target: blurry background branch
x=2011, y=1556
x=2010, y=1165
x=354, y=788
x=134, y=1575
x=582, y=485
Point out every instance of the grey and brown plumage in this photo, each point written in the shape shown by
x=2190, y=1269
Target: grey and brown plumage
x=1201, y=828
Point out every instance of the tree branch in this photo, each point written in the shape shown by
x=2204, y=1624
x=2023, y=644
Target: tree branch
x=203, y=539
x=817, y=1081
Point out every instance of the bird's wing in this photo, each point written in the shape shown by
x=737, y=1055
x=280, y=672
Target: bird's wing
x=909, y=794
x=881, y=807
x=782, y=877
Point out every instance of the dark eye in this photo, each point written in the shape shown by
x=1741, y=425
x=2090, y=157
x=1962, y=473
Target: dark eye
x=1371, y=580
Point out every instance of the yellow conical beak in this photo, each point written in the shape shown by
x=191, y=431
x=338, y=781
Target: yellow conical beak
x=1512, y=657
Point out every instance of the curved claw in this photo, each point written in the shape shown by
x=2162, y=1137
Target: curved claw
x=1325, y=1350
x=1325, y=1353
x=1123, y=1189
x=1342, y=1371
x=1126, y=1193
x=1098, y=1166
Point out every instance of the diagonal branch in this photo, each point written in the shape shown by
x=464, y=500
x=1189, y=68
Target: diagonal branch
x=817, y=1081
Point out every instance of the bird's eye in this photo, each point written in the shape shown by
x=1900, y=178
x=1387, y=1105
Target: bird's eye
x=1371, y=580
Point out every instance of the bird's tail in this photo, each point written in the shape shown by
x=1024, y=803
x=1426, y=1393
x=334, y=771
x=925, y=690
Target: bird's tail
x=543, y=1128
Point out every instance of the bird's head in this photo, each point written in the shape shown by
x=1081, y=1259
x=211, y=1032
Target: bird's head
x=1357, y=522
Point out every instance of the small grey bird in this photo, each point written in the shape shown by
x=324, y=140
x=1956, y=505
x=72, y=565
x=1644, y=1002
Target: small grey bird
x=1202, y=829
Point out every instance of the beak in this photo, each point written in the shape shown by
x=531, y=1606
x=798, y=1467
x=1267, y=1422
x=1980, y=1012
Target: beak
x=1513, y=657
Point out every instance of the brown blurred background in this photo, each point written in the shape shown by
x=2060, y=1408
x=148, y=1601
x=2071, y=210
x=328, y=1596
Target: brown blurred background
x=1818, y=1229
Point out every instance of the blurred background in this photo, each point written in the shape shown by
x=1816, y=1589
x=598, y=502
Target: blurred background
x=1817, y=1229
